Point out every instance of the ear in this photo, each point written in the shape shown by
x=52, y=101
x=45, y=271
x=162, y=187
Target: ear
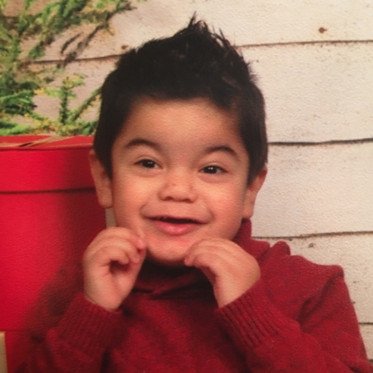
x=102, y=181
x=251, y=193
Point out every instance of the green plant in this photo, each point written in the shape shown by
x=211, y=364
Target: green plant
x=24, y=40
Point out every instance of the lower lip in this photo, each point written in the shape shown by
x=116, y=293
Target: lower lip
x=173, y=229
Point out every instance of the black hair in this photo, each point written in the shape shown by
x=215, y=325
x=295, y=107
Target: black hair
x=193, y=63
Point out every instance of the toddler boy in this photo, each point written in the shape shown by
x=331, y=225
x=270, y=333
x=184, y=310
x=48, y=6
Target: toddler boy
x=179, y=285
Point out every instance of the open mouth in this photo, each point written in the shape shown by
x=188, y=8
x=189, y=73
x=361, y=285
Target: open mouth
x=175, y=225
x=173, y=220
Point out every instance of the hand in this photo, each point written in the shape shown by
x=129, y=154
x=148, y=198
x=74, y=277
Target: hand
x=111, y=264
x=230, y=269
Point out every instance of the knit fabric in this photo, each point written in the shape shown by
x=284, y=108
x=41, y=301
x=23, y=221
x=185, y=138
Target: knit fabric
x=297, y=318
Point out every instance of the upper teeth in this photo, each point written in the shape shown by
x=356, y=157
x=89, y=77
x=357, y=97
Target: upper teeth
x=176, y=220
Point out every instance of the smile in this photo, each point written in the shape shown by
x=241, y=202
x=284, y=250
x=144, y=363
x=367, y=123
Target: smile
x=174, y=220
x=175, y=226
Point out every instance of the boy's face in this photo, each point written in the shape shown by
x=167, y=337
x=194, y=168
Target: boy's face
x=180, y=175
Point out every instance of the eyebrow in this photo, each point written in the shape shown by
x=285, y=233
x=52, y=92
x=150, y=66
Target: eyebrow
x=223, y=148
x=138, y=141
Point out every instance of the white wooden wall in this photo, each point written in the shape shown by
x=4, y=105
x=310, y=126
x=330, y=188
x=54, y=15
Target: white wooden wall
x=314, y=62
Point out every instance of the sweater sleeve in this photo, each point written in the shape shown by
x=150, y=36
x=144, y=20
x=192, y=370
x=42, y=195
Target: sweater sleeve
x=324, y=338
x=77, y=343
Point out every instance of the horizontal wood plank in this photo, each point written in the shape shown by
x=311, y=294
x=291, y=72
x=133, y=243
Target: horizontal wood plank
x=317, y=189
x=244, y=23
x=316, y=93
x=247, y=23
x=313, y=94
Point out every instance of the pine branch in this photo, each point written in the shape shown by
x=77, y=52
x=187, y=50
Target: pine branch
x=84, y=106
x=21, y=79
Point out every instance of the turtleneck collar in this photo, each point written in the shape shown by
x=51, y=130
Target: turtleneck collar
x=160, y=280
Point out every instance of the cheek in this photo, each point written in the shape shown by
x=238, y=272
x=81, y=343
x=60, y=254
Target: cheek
x=131, y=194
x=123, y=193
x=229, y=220
x=228, y=203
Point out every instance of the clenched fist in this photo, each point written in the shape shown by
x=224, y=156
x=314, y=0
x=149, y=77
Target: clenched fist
x=111, y=265
x=230, y=269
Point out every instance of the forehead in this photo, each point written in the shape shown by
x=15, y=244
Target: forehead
x=181, y=121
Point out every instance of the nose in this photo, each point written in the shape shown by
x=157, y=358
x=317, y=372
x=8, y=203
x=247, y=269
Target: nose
x=178, y=186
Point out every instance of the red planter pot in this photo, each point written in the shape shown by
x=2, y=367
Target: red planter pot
x=48, y=216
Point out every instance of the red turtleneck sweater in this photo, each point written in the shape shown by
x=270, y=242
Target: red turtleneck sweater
x=297, y=318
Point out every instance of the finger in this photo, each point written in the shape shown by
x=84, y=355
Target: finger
x=105, y=256
x=219, y=245
x=211, y=249
x=107, y=246
x=122, y=234
x=109, y=254
x=206, y=259
x=212, y=266
x=127, y=235
x=114, y=237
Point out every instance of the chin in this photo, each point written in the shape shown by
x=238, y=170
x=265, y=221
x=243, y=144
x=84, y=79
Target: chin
x=166, y=260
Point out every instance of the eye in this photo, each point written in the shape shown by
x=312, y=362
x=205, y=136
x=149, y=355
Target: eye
x=212, y=170
x=147, y=163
